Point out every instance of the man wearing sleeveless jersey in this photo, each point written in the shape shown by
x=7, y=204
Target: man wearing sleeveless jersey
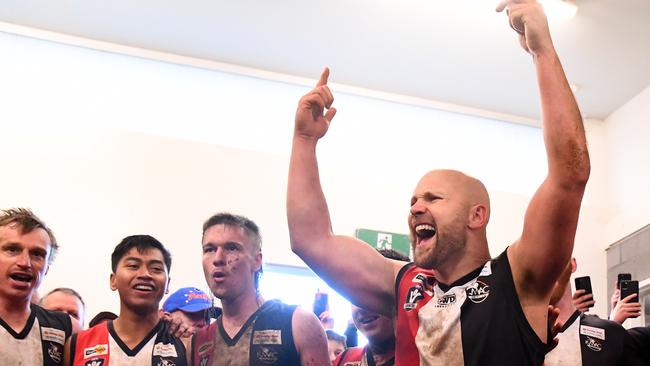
x=250, y=330
x=29, y=334
x=456, y=306
x=585, y=339
x=140, y=274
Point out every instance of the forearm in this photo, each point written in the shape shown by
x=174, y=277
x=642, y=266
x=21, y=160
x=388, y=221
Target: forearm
x=564, y=135
x=307, y=212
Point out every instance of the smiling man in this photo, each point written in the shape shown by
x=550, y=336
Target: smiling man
x=456, y=306
x=138, y=337
x=29, y=334
x=250, y=329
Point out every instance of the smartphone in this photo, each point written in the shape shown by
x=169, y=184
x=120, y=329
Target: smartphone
x=628, y=288
x=623, y=277
x=584, y=283
x=320, y=303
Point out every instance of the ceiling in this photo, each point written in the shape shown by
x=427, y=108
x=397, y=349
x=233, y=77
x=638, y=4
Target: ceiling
x=459, y=52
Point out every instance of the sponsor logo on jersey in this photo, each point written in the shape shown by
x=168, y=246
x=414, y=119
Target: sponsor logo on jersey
x=164, y=350
x=593, y=344
x=205, y=347
x=352, y=363
x=55, y=352
x=478, y=292
x=53, y=335
x=414, y=295
x=268, y=336
x=592, y=332
x=267, y=355
x=98, y=350
x=446, y=300
x=94, y=363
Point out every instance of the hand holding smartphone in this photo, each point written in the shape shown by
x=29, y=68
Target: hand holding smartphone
x=584, y=283
x=628, y=288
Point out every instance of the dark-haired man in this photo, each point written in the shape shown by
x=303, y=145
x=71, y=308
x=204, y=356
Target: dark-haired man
x=378, y=330
x=456, y=305
x=29, y=335
x=140, y=274
x=250, y=330
x=68, y=301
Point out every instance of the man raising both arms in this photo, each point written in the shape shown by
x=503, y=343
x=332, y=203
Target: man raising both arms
x=456, y=306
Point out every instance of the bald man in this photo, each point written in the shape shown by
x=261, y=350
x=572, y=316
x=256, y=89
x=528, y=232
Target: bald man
x=455, y=305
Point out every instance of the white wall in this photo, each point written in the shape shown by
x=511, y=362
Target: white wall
x=628, y=151
x=103, y=146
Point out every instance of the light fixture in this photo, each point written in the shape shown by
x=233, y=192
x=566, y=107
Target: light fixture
x=559, y=9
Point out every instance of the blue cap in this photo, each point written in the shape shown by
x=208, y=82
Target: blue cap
x=188, y=299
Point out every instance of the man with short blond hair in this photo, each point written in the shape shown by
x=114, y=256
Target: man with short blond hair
x=29, y=334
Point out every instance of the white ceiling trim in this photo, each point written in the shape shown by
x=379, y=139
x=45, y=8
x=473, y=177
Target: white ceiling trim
x=257, y=73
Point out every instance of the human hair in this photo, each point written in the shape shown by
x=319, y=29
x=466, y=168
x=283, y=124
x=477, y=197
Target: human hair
x=65, y=290
x=141, y=243
x=333, y=336
x=102, y=317
x=28, y=222
x=249, y=226
x=393, y=254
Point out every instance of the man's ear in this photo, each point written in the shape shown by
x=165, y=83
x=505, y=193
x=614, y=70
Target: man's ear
x=478, y=216
x=258, y=261
x=112, y=282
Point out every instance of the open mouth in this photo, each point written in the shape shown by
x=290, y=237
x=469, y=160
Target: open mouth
x=424, y=232
x=367, y=319
x=22, y=277
x=218, y=276
x=144, y=287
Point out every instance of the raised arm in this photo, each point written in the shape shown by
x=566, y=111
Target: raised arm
x=546, y=243
x=350, y=266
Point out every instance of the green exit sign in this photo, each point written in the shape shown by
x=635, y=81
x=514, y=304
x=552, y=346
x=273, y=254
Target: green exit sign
x=385, y=240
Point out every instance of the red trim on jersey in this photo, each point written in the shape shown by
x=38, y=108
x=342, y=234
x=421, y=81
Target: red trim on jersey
x=414, y=289
x=354, y=354
x=92, y=344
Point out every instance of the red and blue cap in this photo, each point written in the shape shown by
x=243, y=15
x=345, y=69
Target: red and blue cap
x=187, y=299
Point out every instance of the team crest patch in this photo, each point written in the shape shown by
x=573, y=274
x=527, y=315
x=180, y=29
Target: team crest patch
x=267, y=355
x=204, y=360
x=98, y=362
x=53, y=335
x=446, y=300
x=55, y=352
x=593, y=344
x=164, y=362
x=98, y=350
x=427, y=282
x=478, y=292
x=414, y=295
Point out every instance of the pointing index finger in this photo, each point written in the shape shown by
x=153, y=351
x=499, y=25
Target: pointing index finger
x=323, y=77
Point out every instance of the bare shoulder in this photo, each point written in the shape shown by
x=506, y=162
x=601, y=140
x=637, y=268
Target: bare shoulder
x=309, y=338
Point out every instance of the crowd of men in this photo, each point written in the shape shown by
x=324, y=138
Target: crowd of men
x=454, y=305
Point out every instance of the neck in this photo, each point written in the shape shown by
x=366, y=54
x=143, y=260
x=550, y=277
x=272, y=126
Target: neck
x=382, y=351
x=463, y=262
x=238, y=310
x=135, y=324
x=14, y=311
x=565, y=304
